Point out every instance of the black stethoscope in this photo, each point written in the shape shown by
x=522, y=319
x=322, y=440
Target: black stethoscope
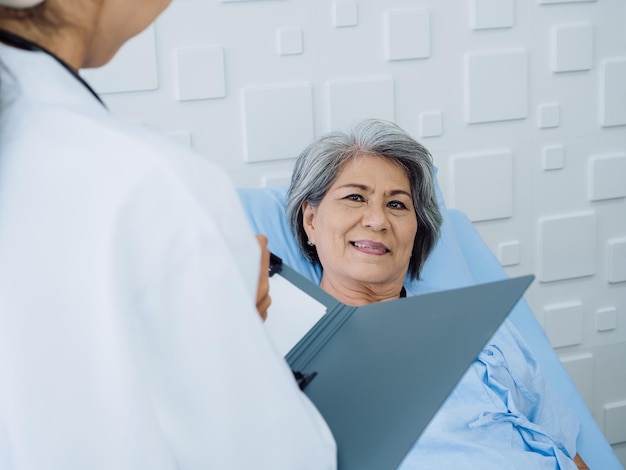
x=21, y=43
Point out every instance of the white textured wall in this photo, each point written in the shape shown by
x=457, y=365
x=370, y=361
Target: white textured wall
x=522, y=103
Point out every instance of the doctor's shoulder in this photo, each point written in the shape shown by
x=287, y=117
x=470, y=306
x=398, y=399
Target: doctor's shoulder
x=160, y=167
x=155, y=154
x=135, y=152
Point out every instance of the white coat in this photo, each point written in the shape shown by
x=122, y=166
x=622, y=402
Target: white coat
x=129, y=337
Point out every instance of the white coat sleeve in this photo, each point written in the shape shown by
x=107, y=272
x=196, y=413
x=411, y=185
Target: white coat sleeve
x=221, y=394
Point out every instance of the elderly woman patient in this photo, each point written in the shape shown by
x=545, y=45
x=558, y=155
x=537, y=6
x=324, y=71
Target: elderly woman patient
x=362, y=206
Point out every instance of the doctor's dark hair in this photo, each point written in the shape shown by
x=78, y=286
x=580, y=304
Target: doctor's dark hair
x=319, y=165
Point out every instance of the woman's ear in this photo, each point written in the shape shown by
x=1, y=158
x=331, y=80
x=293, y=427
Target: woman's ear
x=308, y=214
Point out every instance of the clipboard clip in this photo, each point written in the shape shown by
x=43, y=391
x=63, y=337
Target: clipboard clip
x=276, y=264
x=303, y=379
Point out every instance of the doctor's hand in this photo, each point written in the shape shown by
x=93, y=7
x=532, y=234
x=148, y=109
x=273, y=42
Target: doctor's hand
x=263, y=299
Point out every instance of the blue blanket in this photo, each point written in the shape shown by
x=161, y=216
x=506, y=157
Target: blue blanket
x=502, y=414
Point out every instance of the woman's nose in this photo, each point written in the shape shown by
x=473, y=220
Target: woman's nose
x=376, y=218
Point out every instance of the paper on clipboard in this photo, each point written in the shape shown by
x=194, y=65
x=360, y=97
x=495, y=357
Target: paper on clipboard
x=291, y=315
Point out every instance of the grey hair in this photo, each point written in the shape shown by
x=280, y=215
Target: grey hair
x=319, y=165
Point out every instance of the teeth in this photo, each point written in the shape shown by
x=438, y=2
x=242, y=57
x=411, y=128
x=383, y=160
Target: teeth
x=361, y=245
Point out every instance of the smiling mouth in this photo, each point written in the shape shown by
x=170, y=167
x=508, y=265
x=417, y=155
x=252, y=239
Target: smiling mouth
x=377, y=247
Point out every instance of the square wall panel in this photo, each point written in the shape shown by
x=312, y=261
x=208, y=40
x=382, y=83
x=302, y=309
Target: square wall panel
x=606, y=319
x=430, y=124
x=481, y=184
x=607, y=176
x=282, y=179
x=564, y=324
x=491, y=14
x=617, y=260
x=496, y=86
x=289, y=41
x=134, y=67
x=278, y=121
x=553, y=157
x=572, y=47
x=549, y=115
x=407, y=34
x=615, y=422
x=200, y=73
x=345, y=13
x=580, y=370
x=566, y=246
x=613, y=92
x=351, y=100
x=509, y=253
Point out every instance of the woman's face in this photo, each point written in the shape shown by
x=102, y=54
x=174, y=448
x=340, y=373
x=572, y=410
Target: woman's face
x=365, y=226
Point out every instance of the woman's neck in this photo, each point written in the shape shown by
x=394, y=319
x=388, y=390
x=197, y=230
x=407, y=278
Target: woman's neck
x=357, y=293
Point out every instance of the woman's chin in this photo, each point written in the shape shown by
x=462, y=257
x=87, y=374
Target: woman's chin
x=377, y=280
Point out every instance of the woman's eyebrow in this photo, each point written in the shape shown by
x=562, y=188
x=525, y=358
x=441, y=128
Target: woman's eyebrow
x=364, y=187
x=395, y=192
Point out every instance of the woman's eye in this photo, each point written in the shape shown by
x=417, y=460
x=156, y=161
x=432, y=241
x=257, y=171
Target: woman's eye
x=355, y=197
x=397, y=205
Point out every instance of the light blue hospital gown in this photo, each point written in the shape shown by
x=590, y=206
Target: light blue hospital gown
x=501, y=415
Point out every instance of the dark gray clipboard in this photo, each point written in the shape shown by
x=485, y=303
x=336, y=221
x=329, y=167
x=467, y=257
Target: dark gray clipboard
x=384, y=369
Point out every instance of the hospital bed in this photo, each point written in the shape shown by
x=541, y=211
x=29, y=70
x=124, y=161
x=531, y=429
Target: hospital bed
x=460, y=258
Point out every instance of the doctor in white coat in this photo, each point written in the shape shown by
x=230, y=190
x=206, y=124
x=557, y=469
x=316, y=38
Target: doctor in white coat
x=129, y=337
